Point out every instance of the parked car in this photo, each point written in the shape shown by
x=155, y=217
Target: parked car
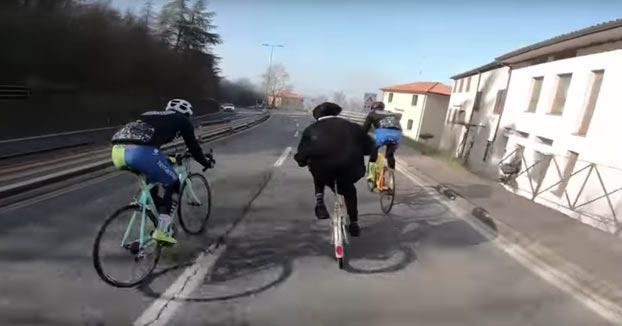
x=228, y=107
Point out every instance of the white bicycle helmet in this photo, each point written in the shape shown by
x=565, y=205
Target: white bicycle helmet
x=181, y=106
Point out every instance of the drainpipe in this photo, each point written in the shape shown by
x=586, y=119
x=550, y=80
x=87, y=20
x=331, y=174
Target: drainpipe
x=468, y=126
x=507, y=86
x=425, y=100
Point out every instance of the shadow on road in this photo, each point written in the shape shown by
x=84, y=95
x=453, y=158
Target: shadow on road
x=260, y=255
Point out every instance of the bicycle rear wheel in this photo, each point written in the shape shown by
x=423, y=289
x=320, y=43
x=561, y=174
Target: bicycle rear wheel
x=387, y=195
x=195, y=204
x=126, y=263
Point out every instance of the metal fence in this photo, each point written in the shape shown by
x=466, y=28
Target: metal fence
x=587, y=191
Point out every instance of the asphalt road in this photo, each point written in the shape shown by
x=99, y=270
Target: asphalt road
x=421, y=265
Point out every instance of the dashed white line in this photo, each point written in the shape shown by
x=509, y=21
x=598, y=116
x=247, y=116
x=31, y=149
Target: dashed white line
x=297, y=133
x=556, y=277
x=163, y=309
x=283, y=156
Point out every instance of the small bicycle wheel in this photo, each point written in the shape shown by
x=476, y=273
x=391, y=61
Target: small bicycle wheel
x=195, y=204
x=119, y=257
x=387, y=196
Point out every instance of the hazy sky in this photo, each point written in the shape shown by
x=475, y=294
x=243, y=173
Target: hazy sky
x=358, y=46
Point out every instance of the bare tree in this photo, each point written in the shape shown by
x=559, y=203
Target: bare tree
x=340, y=98
x=355, y=104
x=147, y=14
x=276, y=80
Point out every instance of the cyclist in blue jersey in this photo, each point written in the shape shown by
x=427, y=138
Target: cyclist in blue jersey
x=137, y=147
x=387, y=131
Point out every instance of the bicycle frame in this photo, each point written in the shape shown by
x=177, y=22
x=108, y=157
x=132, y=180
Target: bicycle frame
x=380, y=164
x=339, y=236
x=146, y=202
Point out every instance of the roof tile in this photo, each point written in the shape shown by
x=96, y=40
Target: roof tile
x=420, y=87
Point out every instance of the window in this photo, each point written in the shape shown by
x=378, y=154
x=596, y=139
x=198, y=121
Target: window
x=588, y=112
x=450, y=113
x=454, y=118
x=544, y=140
x=522, y=134
x=536, y=88
x=390, y=97
x=468, y=85
x=413, y=102
x=477, y=101
x=410, y=124
x=561, y=92
x=461, y=84
x=499, y=101
x=486, y=151
x=455, y=86
x=572, y=161
x=461, y=116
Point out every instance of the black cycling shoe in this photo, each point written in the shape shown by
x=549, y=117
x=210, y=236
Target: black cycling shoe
x=354, y=229
x=321, y=212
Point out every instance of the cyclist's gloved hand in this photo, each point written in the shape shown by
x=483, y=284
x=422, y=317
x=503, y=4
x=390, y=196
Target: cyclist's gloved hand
x=211, y=162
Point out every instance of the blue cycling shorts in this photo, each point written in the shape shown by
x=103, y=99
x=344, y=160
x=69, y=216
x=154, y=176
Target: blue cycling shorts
x=385, y=135
x=147, y=160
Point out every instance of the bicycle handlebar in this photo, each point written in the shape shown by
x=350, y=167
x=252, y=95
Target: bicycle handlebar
x=209, y=156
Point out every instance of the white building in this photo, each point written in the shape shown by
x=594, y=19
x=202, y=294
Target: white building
x=423, y=106
x=559, y=118
x=472, y=119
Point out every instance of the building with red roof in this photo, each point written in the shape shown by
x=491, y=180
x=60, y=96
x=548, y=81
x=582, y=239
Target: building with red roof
x=422, y=105
x=286, y=100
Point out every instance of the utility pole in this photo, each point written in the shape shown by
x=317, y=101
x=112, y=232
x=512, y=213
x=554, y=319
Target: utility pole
x=271, y=46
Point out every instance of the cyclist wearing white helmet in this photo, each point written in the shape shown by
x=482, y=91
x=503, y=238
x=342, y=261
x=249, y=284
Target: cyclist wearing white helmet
x=137, y=147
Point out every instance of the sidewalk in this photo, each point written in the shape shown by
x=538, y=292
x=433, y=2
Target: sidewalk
x=593, y=251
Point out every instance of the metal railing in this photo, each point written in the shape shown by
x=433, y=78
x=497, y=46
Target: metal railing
x=14, y=92
x=27, y=176
x=590, y=190
x=356, y=117
x=35, y=144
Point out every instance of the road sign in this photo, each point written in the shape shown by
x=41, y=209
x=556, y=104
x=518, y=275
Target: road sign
x=368, y=100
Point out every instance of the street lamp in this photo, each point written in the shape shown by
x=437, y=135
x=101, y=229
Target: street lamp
x=271, y=46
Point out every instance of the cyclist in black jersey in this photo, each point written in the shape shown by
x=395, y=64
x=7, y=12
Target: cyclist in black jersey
x=334, y=148
x=387, y=131
x=137, y=147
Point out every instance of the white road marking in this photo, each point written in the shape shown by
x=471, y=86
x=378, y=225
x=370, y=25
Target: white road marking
x=163, y=309
x=296, y=133
x=556, y=277
x=283, y=156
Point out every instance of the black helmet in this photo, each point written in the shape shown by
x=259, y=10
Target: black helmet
x=326, y=109
x=377, y=106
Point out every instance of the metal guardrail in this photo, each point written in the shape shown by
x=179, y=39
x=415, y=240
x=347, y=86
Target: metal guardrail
x=356, y=117
x=14, y=92
x=37, y=144
x=97, y=163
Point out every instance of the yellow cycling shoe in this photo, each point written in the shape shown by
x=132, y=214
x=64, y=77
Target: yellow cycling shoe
x=163, y=237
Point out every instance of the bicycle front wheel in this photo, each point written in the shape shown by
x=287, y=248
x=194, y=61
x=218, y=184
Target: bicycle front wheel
x=387, y=196
x=123, y=255
x=195, y=204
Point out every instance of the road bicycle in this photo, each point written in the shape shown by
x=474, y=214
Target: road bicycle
x=339, y=235
x=132, y=250
x=384, y=182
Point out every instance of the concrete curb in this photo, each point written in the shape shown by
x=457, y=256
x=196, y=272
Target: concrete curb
x=599, y=295
x=27, y=185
